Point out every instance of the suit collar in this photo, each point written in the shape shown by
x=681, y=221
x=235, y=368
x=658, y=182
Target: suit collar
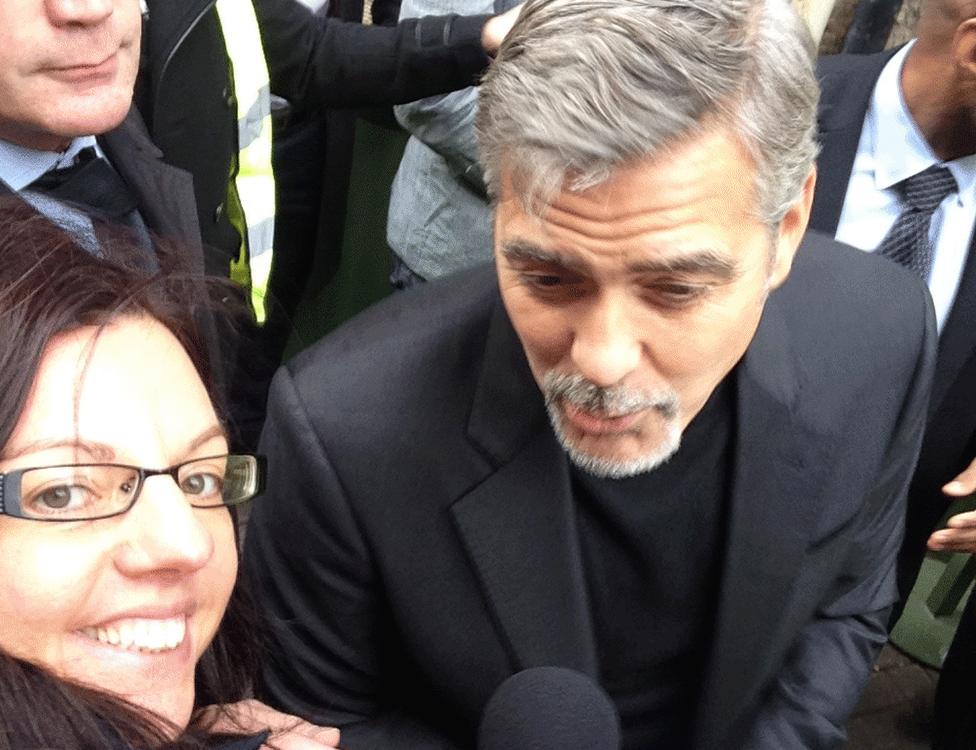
x=20, y=165
x=847, y=82
x=781, y=464
x=957, y=342
x=164, y=193
x=518, y=526
x=507, y=409
x=519, y=530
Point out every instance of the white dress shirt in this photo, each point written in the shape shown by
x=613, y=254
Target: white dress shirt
x=892, y=149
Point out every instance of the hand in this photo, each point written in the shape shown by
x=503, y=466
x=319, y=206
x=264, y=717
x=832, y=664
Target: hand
x=497, y=28
x=960, y=536
x=287, y=732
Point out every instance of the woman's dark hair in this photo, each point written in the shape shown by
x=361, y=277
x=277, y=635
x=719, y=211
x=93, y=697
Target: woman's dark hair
x=49, y=286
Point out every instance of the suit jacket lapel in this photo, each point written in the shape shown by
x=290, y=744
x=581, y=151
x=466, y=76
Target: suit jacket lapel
x=169, y=24
x=165, y=193
x=957, y=342
x=847, y=82
x=518, y=527
x=780, y=468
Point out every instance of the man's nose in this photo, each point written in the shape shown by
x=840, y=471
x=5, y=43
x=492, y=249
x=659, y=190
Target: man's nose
x=81, y=12
x=165, y=534
x=607, y=344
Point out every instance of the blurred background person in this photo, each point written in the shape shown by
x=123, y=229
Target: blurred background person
x=439, y=219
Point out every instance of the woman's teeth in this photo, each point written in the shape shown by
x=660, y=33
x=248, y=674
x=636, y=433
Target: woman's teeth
x=141, y=635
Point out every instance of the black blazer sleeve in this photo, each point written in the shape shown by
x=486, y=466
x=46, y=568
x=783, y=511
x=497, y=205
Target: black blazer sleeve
x=831, y=659
x=321, y=600
x=315, y=61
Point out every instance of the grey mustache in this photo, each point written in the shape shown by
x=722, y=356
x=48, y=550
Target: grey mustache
x=615, y=400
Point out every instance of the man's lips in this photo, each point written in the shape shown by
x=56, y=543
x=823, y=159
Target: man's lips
x=594, y=423
x=85, y=72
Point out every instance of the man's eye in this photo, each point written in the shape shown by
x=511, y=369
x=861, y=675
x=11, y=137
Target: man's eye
x=554, y=287
x=543, y=280
x=202, y=484
x=676, y=294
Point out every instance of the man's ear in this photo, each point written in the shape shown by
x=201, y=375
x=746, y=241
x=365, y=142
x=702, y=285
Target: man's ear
x=964, y=49
x=790, y=232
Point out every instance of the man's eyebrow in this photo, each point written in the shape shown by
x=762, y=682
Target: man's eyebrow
x=523, y=251
x=698, y=263
x=702, y=262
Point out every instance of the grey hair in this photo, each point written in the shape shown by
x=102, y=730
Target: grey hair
x=582, y=87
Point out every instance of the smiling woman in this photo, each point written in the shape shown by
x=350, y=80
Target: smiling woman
x=117, y=543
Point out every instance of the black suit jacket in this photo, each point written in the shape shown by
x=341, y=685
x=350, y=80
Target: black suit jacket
x=847, y=82
x=417, y=543
x=164, y=193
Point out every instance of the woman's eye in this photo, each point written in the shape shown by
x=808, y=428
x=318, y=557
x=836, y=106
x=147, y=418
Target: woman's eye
x=61, y=497
x=202, y=484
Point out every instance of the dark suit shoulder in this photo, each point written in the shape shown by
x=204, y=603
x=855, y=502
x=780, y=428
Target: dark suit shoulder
x=416, y=354
x=846, y=83
x=389, y=395
x=854, y=65
x=841, y=283
x=858, y=320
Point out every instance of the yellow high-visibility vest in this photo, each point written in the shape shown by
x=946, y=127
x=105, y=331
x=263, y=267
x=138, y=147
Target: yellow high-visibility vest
x=254, y=179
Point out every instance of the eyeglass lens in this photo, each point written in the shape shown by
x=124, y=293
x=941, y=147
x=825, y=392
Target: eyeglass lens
x=95, y=490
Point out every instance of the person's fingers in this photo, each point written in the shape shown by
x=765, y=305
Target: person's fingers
x=497, y=28
x=959, y=536
x=287, y=732
x=964, y=483
x=305, y=737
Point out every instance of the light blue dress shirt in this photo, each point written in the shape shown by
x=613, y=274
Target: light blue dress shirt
x=892, y=149
x=20, y=166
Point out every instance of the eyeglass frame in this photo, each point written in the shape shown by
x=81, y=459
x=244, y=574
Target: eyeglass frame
x=12, y=496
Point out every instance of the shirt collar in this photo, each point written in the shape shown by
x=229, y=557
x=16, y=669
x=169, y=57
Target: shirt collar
x=892, y=130
x=20, y=166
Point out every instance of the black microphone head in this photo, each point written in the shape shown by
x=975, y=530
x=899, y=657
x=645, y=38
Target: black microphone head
x=545, y=708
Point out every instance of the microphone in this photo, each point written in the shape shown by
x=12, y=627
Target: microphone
x=549, y=708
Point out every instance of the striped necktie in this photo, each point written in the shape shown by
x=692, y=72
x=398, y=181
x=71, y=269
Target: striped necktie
x=907, y=242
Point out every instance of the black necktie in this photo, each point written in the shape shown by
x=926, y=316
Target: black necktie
x=907, y=242
x=89, y=183
x=93, y=187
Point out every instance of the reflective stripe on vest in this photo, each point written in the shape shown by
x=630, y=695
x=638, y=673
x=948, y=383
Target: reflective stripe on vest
x=255, y=181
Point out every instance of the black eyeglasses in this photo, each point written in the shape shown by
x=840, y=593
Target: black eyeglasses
x=86, y=492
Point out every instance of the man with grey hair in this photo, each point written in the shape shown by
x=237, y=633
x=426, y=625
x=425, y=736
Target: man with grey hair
x=656, y=445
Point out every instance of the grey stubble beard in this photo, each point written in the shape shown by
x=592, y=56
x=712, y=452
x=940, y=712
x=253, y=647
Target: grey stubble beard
x=614, y=400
